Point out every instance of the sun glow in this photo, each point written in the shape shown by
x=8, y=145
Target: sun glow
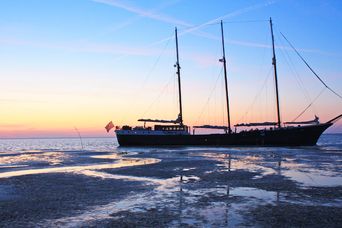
x=114, y=61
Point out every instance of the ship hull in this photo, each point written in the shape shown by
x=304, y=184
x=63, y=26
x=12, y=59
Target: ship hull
x=292, y=136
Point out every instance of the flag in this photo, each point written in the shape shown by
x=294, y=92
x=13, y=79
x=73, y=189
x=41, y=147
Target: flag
x=109, y=126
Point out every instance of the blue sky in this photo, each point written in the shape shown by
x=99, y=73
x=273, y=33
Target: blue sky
x=82, y=62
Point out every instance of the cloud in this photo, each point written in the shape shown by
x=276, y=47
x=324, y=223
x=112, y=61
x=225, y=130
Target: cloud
x=152, y=14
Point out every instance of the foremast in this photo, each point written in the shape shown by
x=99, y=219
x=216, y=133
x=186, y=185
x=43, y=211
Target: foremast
x=274, y=63
x=179, y=119
x=223, y=60
x=180, y=116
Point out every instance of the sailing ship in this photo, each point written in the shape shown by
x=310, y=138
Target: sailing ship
x=176, y=133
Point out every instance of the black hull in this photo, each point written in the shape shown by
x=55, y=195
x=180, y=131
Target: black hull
x=294, y=136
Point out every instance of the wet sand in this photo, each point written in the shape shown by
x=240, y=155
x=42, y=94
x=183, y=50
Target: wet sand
x=176, y=187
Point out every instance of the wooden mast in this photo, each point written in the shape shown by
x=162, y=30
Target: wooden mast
x=180, y=116
x=223, y=60
x=274, y=63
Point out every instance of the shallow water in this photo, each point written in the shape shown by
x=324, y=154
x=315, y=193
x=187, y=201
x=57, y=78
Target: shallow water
x=196, y=186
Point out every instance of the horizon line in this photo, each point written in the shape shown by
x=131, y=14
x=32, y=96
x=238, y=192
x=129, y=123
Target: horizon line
x=73, y=137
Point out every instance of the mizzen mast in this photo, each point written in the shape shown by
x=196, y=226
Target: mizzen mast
x=274, y=63
x=223, y=60
x=180, y=116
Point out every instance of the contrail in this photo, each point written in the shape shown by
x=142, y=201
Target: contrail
x=232, y=14
x=143, y=12
x=137, y=16
x=193, y=28
x=170, y=20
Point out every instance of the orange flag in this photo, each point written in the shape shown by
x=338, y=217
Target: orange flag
x=109, y=126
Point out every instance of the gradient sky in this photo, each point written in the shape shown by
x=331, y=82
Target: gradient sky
x=82, y=63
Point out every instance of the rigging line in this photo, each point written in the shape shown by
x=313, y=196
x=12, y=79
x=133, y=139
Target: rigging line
x=154, y=64
x=175, y=92
x=289, y=62
x=219, y=22
x=311, y=68
x=257, y=95
x=266, y=104
x=149, y=73
x=294, y=71
x=160, y=94
x=307, y=107
x=222, y=102
x=245, y=21
x=209, y=97
x=79, y=135
x=231, y=22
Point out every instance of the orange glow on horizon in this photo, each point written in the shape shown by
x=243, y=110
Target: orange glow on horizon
x=88, y=130
x=59, y=71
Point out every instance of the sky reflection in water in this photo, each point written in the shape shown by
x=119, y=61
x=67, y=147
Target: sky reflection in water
x=314, y=166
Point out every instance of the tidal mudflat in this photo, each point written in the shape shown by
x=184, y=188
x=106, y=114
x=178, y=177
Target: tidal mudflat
x=58, y=184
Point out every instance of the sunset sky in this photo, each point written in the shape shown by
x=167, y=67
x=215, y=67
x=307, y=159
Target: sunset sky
x=82, y=63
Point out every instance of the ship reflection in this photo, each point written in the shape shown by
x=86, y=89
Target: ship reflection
x=180, y=207
x=279, y=158
x=264, y=164
x=229, y=163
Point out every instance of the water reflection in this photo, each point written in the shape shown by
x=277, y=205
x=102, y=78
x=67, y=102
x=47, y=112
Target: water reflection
x=228, y=191
x=279, y=174
x=180, y=207
x=213, y=193
x=310, y=177
x=120, y=163
x=52, y=158
x=303, y=169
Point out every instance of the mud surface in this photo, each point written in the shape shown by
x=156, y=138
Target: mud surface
x=173, y=187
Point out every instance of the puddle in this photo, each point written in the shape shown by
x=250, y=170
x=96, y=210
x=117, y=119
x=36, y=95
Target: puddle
x=52, y=158
x=120, y=163
x=12, y=166
x=222, y=214
x=114, y=156
x=97, y=174
x=98, y=213
x=262, y=195
x=234, y=162
x=206, y=199
x=168, y=192
x=314, y=178
x=141, y=202
x=107, y=156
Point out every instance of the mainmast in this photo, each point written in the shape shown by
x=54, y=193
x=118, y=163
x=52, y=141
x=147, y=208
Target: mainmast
x=274, y=63
x=180, y=116
x=223, y=60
